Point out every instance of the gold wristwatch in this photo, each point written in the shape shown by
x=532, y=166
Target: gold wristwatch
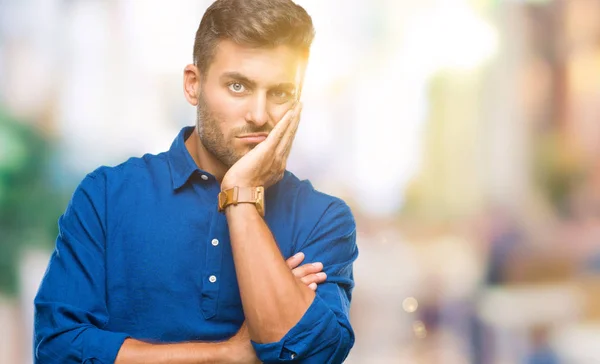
x=235, y=195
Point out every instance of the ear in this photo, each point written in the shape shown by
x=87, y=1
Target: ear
x=191, y=84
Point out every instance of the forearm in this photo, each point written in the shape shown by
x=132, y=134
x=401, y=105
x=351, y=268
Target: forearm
x=273, y=299
x=135, y=351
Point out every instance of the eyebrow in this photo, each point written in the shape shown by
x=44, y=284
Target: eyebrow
x=240, y=77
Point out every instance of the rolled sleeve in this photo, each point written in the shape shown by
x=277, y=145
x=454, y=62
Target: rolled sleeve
x=317, y=332
x=324, y=333
x=86, y=345
x=70, y=306
x=103, y=346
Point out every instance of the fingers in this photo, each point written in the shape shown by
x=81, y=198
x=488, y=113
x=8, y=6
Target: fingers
x=309, y=274
x=294, y=261
x=285, y=144
x=314, y=278
x=307, y=269
x=283, y=125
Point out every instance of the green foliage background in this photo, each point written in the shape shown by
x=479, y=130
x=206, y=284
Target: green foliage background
x=29, y=204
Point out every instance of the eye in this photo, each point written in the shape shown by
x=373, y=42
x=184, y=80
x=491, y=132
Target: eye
x=236, y=87
x=281, y=95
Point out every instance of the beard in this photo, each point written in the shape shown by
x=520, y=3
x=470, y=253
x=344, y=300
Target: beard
x=212, y=138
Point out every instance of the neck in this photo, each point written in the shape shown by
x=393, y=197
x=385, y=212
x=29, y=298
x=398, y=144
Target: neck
x=203, y=158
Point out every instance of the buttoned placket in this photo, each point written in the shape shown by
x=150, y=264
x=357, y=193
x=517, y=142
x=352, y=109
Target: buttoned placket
x=214, y=252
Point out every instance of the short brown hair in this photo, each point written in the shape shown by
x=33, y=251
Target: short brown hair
x=253, y=23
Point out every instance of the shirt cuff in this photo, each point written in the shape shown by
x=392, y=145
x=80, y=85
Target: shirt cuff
x=102, y=347
x=317, y=330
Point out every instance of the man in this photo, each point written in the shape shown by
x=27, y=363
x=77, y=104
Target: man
x=180, y=257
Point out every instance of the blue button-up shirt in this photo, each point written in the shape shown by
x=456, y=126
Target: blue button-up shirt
x=143, y=252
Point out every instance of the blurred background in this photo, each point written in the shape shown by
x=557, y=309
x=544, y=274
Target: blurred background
x=464, y=134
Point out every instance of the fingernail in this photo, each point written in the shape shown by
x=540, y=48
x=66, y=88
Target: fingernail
x=298, y=255
x=322, y=275
x=318, y=265
x=312, y=286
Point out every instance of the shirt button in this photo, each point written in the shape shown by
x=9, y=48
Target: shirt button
x=212, y=279
x=204, y=177
x=293, y=356
x=215, y=242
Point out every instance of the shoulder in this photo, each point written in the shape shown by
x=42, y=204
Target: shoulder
x=325, y=226
x=123, y=183
x=135, y=169
x=309, y=197
x=317, y=209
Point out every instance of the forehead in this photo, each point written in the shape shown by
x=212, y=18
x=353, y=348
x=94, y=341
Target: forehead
x=263, y=65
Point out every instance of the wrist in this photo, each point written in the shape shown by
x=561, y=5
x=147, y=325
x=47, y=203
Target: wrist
x=231, y=182
x=241, y=208
x=242, y=196
x=227, y=185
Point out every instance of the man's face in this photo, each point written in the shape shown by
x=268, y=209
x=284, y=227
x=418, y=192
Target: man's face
x=245, y=92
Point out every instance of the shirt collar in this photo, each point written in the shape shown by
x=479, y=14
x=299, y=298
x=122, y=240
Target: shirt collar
x=181, y=163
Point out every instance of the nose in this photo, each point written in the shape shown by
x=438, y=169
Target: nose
x=258, y=113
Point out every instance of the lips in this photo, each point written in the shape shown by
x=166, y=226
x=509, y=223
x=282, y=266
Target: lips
x=253, y=138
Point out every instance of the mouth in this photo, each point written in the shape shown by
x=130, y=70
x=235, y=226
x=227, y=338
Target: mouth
x=253, y=138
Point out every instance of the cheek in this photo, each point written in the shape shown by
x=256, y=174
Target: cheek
x=278, y=110
x=227, y=110
x=224, y=105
